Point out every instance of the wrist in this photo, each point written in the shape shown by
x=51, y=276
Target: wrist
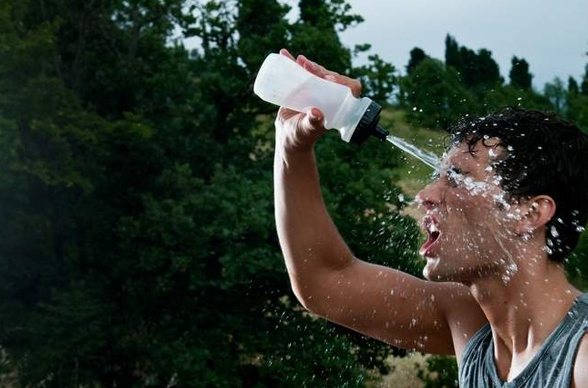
x=289, y=156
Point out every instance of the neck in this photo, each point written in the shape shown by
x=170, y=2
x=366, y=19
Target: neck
x=524, y=307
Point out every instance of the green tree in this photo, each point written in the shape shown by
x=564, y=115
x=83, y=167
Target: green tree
x=473, y=68
x=452, y=55
x=417, y=55
x=556, y=93
x=577, y=103
x=507, y=95
x=378, y=78
x=138, y=244
x=434, y=95
x=441, y=372
x=316, y=32
x=573, y=87
x=584, y=84
x=262, y=28
x=519, y=73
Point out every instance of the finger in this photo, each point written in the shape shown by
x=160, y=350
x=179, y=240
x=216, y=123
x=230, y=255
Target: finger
x=286, y=53
x=320, y=71
x=353, y=84
x=313, y=122
x=313, y=67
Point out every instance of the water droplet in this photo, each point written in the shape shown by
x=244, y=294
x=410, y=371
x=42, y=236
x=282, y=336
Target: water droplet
x=554, y=232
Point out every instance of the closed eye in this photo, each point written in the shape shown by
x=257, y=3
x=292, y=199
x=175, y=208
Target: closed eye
x=454, y=175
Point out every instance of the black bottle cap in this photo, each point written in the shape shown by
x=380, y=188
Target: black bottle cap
x=368, y=125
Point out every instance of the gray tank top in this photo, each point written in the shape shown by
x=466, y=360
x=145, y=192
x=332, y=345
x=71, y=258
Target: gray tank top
x=551, y=367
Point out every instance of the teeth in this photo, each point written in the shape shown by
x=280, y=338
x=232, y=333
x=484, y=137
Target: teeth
x=433, y=228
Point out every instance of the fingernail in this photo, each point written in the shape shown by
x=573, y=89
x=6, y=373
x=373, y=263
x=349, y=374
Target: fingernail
x=330, y=77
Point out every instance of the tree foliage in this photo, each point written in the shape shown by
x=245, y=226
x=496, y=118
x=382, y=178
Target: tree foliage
x=519, y=73
x=417, y=55
x=437, y=94
x=474, y=68
x=138, y=244
x=378, y=78
x=434, y=95
x=556, y=93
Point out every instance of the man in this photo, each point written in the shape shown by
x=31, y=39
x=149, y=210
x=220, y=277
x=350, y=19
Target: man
x=507, y=207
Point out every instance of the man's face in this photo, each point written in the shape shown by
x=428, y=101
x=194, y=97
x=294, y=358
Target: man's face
x=468, y=221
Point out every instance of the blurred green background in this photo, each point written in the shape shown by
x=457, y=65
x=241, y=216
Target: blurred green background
x=137, y=237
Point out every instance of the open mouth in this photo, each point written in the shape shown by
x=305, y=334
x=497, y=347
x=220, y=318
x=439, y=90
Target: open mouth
x=433, y=232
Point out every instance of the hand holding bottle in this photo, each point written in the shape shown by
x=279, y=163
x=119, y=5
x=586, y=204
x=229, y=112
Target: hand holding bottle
x=296, y=131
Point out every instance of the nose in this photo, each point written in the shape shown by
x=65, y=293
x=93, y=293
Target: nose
x=431, y=196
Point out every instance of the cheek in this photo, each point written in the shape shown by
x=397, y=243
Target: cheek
x=461, y=202
x=472, y=216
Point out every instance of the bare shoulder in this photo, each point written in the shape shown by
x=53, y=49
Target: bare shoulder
x=580, y=378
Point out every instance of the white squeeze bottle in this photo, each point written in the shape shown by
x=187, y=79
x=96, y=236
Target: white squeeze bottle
x=283, y=82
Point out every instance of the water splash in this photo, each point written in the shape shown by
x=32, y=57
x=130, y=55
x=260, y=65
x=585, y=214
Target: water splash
x=428, y=158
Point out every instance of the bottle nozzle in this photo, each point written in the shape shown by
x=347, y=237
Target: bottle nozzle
x=368, y=125
x=381, y=133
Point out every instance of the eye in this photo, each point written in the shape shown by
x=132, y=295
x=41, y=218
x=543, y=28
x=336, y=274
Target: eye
x=454, y=176
x=454, y=170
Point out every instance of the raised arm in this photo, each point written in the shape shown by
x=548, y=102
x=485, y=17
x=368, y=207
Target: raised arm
x=325, y=275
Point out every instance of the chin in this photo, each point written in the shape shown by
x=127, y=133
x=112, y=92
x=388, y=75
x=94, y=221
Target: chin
x=435, y=271
x=431, y=270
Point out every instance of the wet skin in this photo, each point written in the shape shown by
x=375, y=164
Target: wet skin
x=466, y=205
x=480, y=239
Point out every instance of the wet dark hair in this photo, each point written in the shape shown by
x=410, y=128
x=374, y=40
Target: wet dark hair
x=543, y=155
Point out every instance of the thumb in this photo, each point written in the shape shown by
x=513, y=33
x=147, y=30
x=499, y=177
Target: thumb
x=314, y=121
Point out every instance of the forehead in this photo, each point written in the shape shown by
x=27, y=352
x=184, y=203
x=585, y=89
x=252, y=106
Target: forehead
x=479, y=155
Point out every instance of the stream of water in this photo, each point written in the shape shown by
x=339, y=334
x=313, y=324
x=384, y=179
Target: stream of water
x=428, y=158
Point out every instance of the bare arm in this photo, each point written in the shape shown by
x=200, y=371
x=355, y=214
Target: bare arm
x=580, y=377
x=326, y=277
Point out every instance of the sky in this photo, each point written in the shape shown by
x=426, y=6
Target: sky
x=551, y=35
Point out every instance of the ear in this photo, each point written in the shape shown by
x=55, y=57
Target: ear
x=537, y=212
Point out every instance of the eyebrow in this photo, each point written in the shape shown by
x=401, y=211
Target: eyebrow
x=455, y=168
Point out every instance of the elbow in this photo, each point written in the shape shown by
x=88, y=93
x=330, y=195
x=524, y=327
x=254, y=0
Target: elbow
x=309, y=300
